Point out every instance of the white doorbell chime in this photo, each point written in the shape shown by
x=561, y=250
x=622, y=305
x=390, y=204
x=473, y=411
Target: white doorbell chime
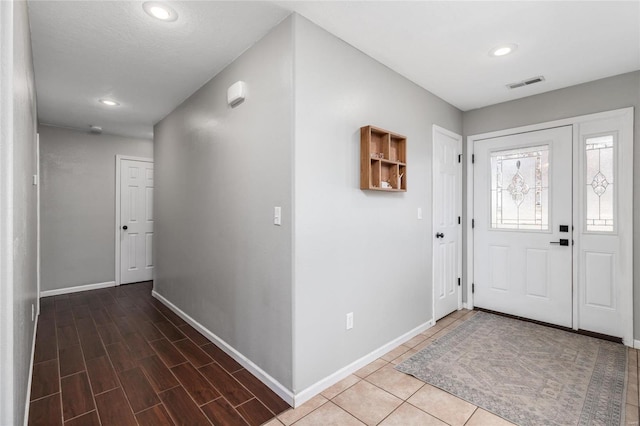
x=236, y=93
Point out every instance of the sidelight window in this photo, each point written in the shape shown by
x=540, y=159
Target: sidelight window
x=600, y=183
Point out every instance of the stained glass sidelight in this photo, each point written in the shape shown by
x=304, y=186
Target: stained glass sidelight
x=520, y=188
x=599, y=180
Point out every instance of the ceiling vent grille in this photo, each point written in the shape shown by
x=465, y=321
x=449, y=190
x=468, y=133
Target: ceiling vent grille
x=527, y=82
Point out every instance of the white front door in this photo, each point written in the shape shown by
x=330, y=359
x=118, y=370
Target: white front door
x=523, y=225
x=136, y=221
x=447, y=210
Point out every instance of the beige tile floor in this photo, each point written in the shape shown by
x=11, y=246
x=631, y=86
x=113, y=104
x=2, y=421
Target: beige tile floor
x=377, y=394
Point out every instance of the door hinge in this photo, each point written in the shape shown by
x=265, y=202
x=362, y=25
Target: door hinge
x=473, y=288
x=458, y=282
x=459, y=220
x=473, y=158
x=459, y=158
x=473, y=223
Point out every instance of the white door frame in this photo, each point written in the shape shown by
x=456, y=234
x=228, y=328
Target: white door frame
x=442, y=130
x=36, y=181
x=119, y=159
x=627, y=113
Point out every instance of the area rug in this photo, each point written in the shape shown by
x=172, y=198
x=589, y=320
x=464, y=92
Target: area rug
x=527, y=373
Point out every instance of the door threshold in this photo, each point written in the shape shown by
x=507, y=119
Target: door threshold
x=559, y=327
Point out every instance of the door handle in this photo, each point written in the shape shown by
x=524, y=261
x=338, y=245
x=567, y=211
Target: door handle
x=562, y=242
x=439, y=235
x=125, y=227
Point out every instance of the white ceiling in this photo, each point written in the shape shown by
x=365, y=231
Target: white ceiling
x=88, y=50
x=444, y=46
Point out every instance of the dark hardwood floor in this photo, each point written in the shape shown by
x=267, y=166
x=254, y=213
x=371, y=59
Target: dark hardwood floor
x=117, y=356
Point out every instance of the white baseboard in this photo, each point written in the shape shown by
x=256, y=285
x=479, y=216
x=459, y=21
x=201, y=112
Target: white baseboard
x=636, y=344
x=465, y=306
x=77, y=288
x=303, y=396
x=33, y=352
x=313, y=390
x=264, y=377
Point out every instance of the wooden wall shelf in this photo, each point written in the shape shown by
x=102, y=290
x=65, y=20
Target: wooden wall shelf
x=383, y=160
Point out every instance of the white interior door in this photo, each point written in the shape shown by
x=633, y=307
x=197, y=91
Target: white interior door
x=447, y=208
x=136, y=221
x=523, y=211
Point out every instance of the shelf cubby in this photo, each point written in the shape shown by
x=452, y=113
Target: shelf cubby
x=383, y=160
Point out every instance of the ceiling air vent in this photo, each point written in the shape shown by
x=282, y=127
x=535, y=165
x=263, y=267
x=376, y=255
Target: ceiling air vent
x=527, y=82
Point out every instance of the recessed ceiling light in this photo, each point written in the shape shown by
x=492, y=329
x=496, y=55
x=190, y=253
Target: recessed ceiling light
x=160, y=11
x=503, y=50
x=109, y=102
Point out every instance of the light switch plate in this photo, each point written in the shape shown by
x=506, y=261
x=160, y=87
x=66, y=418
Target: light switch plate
x=277, y=215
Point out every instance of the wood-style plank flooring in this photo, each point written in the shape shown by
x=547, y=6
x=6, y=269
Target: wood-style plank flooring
x=117, y=356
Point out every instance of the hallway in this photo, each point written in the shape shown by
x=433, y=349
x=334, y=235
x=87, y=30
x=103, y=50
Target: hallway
x=118, y=356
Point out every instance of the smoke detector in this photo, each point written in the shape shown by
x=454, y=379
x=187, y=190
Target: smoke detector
x=96, y=130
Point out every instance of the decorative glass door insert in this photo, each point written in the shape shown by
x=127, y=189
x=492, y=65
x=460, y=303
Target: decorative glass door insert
x=520, y=188
x=600, y=183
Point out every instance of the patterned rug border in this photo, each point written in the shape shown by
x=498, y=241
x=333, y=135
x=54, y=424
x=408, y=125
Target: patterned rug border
x=464, y=331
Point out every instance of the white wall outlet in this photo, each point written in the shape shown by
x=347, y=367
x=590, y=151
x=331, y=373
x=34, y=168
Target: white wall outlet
x=349, y=320
x=33, y=312
x=35, y=180
x=277, y=216
x=420, y=213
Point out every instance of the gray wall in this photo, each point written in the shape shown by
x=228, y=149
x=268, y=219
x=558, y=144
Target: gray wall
x=597, y=96
x=357, y=251
x=219, y=173
x=18, y=214
x=24, y=204
x=77, y=196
